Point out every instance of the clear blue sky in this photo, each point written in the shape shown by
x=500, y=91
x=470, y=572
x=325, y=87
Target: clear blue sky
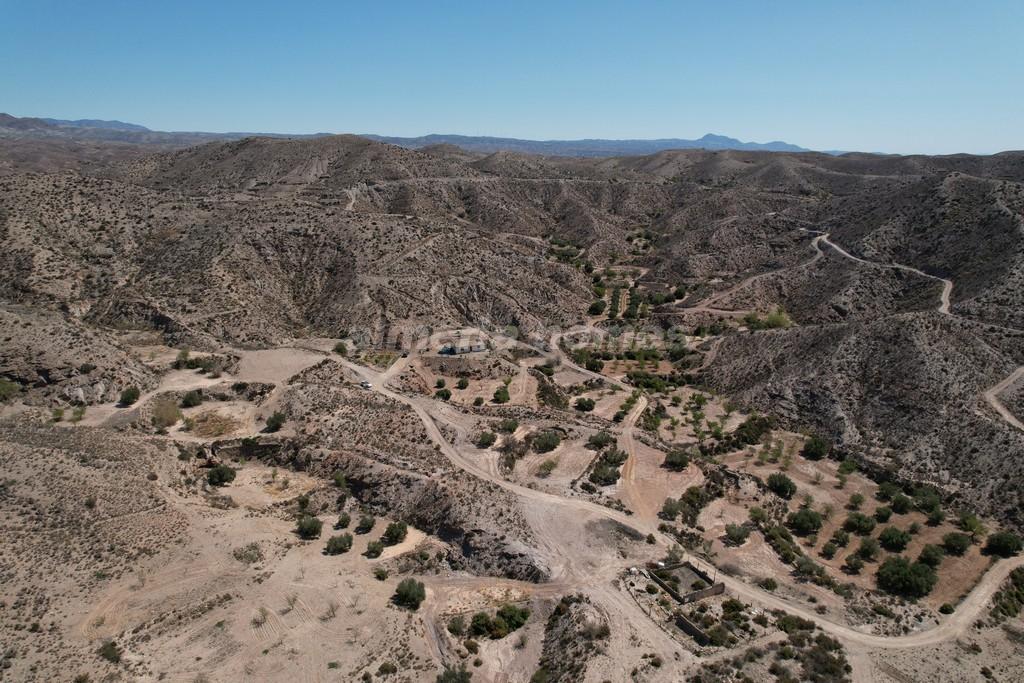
x=896, y=76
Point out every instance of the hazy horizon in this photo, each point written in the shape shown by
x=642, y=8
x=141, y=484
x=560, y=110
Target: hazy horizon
x=917, y=78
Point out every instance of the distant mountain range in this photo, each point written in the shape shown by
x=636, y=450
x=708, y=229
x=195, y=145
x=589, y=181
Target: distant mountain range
x=97, y=123
x=120, y=131
x=585, y=148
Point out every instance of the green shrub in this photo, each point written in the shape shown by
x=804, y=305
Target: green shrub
x=220, y=475
x=781, y=485
x=931, y=555
x=463, y=383
x=600, y=440
x=547, y=467
x=480, y=624
x=337, y=545
x=365, y=525
x=410, y=593
x=858, y=523
x=736, y=533
x=1003, y=543
x=597, y=308
x=900, y=504
x=882, y=514
x=513, y=616
x=584, y=405
x=893, y=539
x=898, y=576
x=450, y=675
x=604, y=475
x=275, y=421
x=191, y=399
x=374, y=549
x=887, y=490
x=457, y=625
x=308, y=527
x=677, y=460
x=545, y=442
x=501, y=395
x=8, y=389
x=395, y=533
x=341, y=349
x=110, y=651
x=443, y=394
x=507, y=426
x=956, y=543
x=841, y=537
x=486, y=439
x=815, y=448
x=868, y=549
x=344, y=519
x=804, y=521
x=129, y=396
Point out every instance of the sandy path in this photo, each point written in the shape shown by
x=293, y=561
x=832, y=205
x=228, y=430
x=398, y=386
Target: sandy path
x=992, y=397
x=641, y=505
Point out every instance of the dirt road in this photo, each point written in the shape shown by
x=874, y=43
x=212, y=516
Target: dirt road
x=947, y=285
x=992, y=398
x=642, y=506
x=709, y=304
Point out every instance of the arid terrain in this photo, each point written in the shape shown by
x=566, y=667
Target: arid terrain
x=328, y=409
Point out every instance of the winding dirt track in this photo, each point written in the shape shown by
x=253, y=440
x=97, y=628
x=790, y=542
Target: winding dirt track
x=642, y=505
x=708, y=304
x=569, y=575
x=991, y=395
x=947, y=285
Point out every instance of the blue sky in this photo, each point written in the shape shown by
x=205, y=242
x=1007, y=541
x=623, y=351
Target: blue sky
x=907, y=76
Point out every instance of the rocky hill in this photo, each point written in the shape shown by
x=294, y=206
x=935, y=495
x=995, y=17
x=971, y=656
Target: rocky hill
x=260, y=240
